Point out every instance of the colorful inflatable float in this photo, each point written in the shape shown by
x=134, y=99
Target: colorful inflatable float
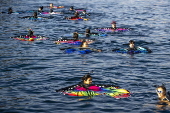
x=29, y=38
x=94, y=89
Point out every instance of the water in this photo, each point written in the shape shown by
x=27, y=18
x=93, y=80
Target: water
x=32, y=71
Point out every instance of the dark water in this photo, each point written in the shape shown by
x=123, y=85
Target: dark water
x=30, y=72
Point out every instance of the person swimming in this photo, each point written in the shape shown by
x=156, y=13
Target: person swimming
x=113, y=25
x=35, y=15
x=30, y=33
x=132, y=45
x=84, y=44
x=40, y=9
x=75, y=36
x=76, y=16
x=85, y=85
x=51, y=5
x=85, y=13
x=162, y=94
x=71, y=8
x=87, y=79
x=88, y=33
x=10, y=11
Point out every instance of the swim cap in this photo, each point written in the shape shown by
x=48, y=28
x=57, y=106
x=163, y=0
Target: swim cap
x=113, y=22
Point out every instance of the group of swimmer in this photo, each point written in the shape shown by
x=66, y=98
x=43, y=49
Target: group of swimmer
x=87, y=79
x=51, y=8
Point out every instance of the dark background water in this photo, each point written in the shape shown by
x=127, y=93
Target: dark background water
x=30, y=72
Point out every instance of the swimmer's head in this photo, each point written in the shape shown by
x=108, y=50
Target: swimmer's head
x=71, y=8
x=84, y=11
x=161, y=91
x=35, y=15
x=113, y=24
x=84, y=43
x=131, y=44
x=30, y=32
x=87, y=30
x=10, y=10
x=75, y=36
x=40, y=8
x=87, y=79
x=51, y=5
x=76, y=13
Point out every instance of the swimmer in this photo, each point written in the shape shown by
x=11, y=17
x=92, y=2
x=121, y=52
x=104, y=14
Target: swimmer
x=113, y=25
x=51, y=5
x=76, y=15
x=35, y=15
x=84, y=43
x=86, y=79
x=88, y=33
x=75, y=36
x=10, y=11
x=40, y=9
x=30, y=33
x=132, y=45
x=71, y=8
x=85, y=13
x=162, y=95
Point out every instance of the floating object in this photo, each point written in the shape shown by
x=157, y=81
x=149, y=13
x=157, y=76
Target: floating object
x=112, y=30
x=58, y=7
x=79, y=18
x=135, y=51
x=28, y=38
x=77, y=51
x=74, y=42
x=93, y=90
x=51, y=13
x=83, y=34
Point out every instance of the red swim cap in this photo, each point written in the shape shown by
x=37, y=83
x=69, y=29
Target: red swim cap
x=113, y=22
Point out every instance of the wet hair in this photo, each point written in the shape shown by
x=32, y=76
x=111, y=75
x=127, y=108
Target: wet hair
x=87, y=30
x=72, y=7
x=76, y=14
x=75, y=36
x=41, y=7
x=84, y=40
x=113, y=22
x=131, y=41
x=163, y=87
x=9, y=10
x=35, y=15
x=30, y=32
x=85, y=77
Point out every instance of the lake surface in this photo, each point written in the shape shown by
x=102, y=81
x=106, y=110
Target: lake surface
x=30, y=72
